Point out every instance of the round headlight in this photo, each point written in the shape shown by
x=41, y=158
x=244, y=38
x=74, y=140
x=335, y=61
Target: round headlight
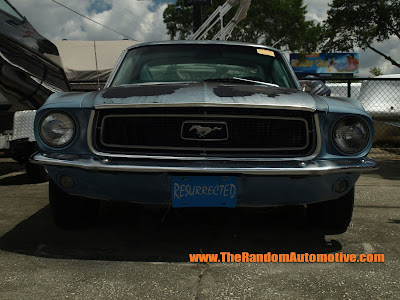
x=350, y=135
x=57, y=129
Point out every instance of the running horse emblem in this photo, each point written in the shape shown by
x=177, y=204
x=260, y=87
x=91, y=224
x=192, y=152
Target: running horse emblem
x=203, y=131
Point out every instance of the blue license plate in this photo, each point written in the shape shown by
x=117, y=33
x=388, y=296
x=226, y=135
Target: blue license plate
x=204, y=191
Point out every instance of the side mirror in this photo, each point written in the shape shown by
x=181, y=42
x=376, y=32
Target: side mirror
x=315, y=87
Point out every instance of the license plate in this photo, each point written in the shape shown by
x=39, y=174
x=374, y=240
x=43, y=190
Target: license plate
x=204, y=191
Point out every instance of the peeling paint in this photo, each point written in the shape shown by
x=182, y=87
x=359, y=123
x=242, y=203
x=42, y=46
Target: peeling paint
x=246, y=91
x=151, y=90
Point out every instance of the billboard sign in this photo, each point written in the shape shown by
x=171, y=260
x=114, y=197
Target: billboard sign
x=325, y=63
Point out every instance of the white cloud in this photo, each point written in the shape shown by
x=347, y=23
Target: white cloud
x=317, y=11
x=369, y=59
x=141, y=20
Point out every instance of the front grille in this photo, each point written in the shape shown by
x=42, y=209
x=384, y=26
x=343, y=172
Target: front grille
x=231, y=132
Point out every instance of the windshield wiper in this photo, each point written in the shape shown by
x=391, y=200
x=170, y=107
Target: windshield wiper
x=239, y=79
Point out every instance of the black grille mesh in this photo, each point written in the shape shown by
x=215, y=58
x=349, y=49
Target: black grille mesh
x=254, y=132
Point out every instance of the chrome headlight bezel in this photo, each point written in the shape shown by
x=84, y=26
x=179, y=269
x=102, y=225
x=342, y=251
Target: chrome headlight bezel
x=356, y=122
x=67, y=124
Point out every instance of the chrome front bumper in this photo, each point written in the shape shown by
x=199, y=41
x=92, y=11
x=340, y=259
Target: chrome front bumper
x=291, y=168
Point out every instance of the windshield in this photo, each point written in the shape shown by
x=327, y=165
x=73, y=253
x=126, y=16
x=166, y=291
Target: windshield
x=201, y=62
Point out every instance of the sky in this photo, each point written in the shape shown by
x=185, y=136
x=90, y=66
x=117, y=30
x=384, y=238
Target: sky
x=142, y=20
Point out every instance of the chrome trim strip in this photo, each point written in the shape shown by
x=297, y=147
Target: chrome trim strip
x=204, y=116
x=115, y=69
x=234, y=105
x=200, y=121
x=206, y=149
x=200, y=158
x=291, y=71
x=289, y=168
x=203, y=42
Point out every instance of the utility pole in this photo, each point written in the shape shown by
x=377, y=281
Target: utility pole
x=196, y=16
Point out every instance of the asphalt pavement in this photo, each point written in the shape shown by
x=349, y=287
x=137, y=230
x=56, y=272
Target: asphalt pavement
x=136, y=253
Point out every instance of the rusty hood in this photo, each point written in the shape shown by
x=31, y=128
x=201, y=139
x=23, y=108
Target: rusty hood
x=203, y=94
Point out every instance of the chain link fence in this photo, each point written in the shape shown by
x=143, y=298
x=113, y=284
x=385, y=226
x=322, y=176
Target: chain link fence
x=381, y=99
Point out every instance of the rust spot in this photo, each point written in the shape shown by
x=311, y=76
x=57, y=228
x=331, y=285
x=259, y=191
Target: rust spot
x=249, y=90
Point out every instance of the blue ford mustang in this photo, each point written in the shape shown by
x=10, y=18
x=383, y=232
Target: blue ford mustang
x=204, y=124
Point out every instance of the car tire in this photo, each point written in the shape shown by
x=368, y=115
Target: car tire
x=36, y=173
x=69, y=211
x=332, y=216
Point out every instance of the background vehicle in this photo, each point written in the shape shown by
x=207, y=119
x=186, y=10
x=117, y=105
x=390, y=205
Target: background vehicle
x=30, y=71
x=88, y=64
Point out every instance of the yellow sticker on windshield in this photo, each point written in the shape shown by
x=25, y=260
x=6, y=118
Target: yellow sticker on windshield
x=266, y=52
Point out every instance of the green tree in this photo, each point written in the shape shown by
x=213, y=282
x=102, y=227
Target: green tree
x=376, y=71
x=362, y=23
x=269, y=22
x=178, y=19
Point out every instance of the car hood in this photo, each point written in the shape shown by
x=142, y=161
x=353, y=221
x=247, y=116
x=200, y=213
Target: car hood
x=204, y=94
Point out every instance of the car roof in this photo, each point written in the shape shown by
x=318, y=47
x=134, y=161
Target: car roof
x=202, y=42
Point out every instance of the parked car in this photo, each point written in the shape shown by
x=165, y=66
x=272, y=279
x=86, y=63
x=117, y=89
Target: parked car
x=30, y=71
x=203, y=124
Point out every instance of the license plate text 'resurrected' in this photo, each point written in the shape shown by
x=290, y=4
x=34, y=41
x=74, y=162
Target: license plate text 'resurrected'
x=204, y=191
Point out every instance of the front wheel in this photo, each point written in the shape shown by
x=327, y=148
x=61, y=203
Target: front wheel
x=333, y=216
x=69, y=211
